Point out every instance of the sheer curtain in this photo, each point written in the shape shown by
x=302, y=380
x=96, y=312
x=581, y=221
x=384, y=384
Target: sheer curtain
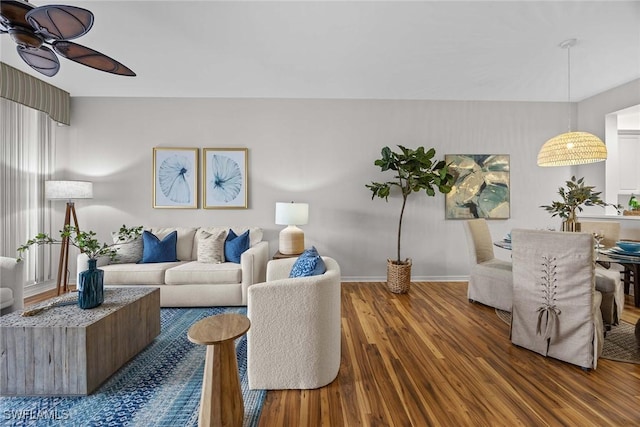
x=26, y=156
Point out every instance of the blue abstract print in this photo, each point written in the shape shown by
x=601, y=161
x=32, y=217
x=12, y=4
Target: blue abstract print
x=227, y=179
x=172, y=176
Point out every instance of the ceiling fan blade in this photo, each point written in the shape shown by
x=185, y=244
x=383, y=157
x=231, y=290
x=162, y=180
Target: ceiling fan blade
x=60, y=22
x=12, y=13
x=43, y=60
x=91, y=58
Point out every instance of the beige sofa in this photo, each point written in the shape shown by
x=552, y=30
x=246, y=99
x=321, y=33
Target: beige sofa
x=189, y=283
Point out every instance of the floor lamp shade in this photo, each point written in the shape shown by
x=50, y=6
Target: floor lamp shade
x=291, y=240
x=68, y=190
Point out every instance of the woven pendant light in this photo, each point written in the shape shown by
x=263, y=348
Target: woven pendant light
x=571, y=148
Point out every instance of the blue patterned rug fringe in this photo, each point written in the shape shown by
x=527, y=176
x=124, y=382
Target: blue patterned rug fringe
x=161, y=386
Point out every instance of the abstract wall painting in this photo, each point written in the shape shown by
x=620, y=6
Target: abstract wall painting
x=225, y=178
x=481, y=186
x=175, y=178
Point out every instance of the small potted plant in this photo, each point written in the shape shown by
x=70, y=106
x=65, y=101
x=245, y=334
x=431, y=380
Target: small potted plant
x=414, y=171
x=574, y=197
x=90, y=282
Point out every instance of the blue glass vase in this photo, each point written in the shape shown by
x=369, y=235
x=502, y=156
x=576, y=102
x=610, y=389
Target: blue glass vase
x=91, y=286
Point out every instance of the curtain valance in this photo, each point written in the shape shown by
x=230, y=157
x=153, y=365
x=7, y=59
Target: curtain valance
x=25, y=89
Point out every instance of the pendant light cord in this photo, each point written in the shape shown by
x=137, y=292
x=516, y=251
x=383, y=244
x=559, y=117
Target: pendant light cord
x=569, y=85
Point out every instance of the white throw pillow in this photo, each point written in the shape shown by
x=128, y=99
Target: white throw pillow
x=128, y=251
x=211, y=247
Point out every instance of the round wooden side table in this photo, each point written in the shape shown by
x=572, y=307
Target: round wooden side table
x=221, y=402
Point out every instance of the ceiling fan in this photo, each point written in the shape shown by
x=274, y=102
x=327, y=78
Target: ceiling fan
x=32, y=28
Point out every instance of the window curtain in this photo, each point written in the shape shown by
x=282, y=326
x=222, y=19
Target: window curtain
x=26, y=153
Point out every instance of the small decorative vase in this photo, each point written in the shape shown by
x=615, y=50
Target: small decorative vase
x=91, y=286
x=398, y=276
x=571, y=224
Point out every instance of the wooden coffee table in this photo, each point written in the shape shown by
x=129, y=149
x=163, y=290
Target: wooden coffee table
x=71, y=351
x=221, y=403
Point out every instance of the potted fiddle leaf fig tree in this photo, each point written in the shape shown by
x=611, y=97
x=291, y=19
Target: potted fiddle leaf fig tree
x=414, y=171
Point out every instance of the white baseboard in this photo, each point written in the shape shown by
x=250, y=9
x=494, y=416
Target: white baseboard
x=413, y=278
x=39, y=288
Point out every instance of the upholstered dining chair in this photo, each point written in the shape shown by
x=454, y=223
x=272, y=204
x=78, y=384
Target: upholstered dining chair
x=608, y=280
x=490, y=279
x=555, y=304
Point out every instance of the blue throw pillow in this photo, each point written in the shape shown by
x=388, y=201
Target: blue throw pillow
x=235, y=245
x=156, y=250
x=309, y=263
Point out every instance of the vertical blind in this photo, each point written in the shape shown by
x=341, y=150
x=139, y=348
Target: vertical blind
x=26, y=161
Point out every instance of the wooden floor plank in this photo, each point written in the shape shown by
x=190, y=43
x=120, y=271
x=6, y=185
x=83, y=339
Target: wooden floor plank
x=431, y=358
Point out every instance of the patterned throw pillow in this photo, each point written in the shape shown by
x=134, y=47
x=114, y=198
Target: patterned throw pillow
x=129, y=251
x=235, y=245
x=156, y=250
x=309, y=263
x=211, y=247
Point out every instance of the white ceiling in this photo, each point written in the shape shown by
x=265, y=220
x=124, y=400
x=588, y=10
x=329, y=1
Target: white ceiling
x=444, y=50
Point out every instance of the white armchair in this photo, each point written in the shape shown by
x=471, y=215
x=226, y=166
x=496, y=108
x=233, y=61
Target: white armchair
x=11, y=285
x=294, y=339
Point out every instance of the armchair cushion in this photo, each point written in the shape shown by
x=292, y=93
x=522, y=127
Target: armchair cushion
x=309, y=263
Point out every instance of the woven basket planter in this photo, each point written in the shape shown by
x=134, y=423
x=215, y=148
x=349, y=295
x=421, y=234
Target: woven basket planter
x=398, y=276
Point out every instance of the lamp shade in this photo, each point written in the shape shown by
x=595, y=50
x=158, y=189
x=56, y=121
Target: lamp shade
x=292, y=213
x=572, y=148
x=68, y=190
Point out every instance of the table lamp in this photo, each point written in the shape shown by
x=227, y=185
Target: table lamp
x=67, y=190
x=291, y=238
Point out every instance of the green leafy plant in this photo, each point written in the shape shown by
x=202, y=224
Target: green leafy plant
x=574, y=197
x=415, y=171
x=84, y=240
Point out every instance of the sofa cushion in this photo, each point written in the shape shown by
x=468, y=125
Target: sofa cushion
x=184, y=245
x=128, y=251
x=255, y=235
x=198, y=273
x=235, y=245
x=211, y=247
x=309, y=263
x=136, y=274
x=156, y=250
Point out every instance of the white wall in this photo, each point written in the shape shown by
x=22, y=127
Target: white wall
x=315, y=151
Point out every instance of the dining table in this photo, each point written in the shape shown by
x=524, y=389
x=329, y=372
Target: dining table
x=606, y=256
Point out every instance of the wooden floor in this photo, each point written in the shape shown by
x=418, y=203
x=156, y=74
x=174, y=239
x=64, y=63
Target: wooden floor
x=431, y=358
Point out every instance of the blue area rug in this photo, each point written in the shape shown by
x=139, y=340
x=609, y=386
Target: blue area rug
x=161, y=386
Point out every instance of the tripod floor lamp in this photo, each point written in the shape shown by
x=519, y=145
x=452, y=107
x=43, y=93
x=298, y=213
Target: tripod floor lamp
x=69, y=191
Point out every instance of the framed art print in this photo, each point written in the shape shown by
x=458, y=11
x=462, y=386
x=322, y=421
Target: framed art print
x=175, y=178
x=224, y=179
x=481, y=186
